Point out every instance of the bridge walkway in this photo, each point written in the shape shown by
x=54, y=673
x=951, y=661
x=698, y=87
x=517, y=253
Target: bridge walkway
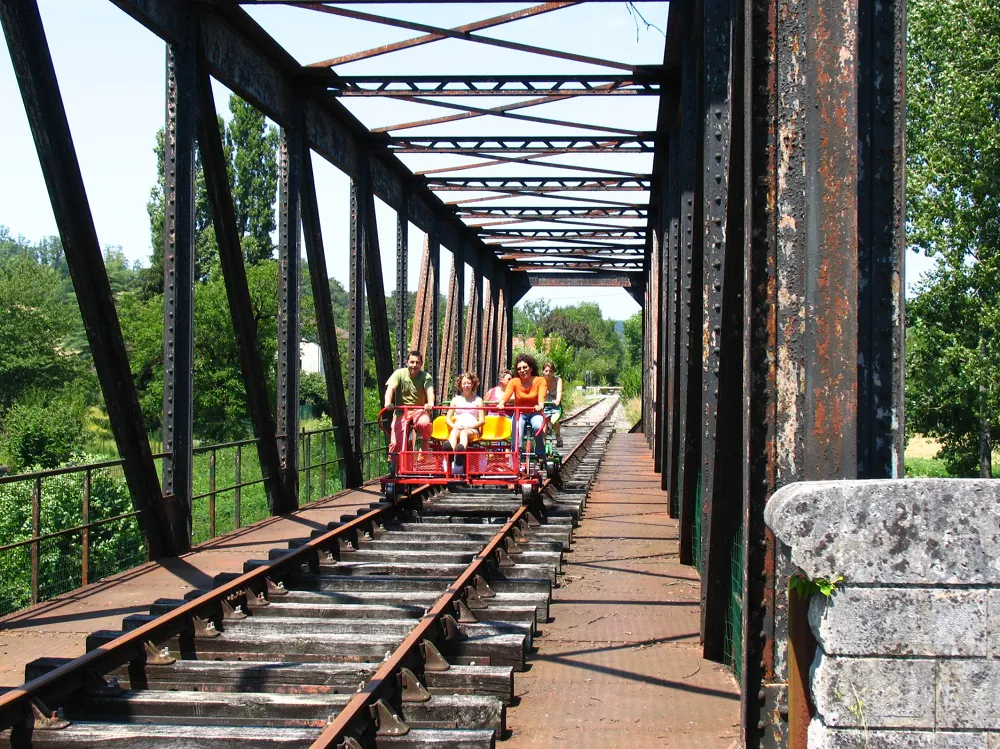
x=59, y=627
x=622, y=656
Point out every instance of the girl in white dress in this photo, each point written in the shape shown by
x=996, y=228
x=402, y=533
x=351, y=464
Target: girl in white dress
x=467, y=413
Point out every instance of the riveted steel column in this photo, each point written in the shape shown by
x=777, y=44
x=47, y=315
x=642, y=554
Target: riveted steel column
x=402, y=292
x=492, y=364
x=237, y=291
x=506, y=326
x=433, y=295
x=178, y=286
x=422, y=307
x=326, y=325
x=476, y=327
x=289, y=253
x=446, y=362
x=723, y=390
x=816, y=281
x=759, y=697
x=36, y=79
x=378, y=316
x=458, y=263
x=689, y=447
x=356, y=336
x=881, y=241
x=672, y=216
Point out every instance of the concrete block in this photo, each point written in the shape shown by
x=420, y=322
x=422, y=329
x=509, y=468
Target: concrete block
x=825, y=737
x=957, y=740
x=901, y=621
x=993, y=606
x=969, y=694
x=912, y=531
x=874, y=692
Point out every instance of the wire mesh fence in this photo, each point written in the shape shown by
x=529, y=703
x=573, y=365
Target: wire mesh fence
x=732, y=652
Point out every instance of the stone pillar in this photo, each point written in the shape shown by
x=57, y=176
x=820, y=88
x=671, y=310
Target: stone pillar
x=907, y=643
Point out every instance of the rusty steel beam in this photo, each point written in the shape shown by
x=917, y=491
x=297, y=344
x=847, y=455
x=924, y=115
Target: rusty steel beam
x=234, y=275
x=617, y=280
x=326, y=326
x=722, y=332
x=422, y=306
x=464, y=36
x=433, y=292
x=624, y=233
x=446, y=363
x=505, y=313
x=543, y=212
x=378, y=316
x=636, y=183
x=402, y=292
x=458, y=263
x=43, y=104
x=537, y=144
x=502, y=111
x=490, y=330
x=289, y=281
x=178, y=286
x=689, y=458
x=437, y=36
x=535, y=160
x=497, y=85
x=356, y=311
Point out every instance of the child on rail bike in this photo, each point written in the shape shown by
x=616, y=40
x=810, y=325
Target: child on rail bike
x=467, y=414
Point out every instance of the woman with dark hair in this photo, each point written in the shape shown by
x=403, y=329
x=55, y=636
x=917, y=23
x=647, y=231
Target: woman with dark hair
x=528, y=391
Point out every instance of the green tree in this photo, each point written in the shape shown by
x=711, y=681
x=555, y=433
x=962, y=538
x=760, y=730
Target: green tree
x=251, y=147
x=953, y=194
x=251, y=150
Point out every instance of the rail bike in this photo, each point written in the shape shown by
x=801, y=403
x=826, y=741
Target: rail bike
x=498, y=457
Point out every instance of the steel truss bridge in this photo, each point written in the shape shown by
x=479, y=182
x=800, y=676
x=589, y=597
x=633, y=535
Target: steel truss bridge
x=763, y=239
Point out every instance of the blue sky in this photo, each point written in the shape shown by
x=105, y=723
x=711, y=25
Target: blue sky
x=111, y=72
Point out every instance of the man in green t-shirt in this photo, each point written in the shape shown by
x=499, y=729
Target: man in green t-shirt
x=412, y=387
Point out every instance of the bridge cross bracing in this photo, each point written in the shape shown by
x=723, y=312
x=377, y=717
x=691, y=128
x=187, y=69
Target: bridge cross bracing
x=757, y=216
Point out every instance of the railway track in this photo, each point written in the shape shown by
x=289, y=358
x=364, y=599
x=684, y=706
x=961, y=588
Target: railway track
x=400, y=627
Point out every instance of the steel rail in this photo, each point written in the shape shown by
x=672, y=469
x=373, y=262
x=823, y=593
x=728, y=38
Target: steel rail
x=16, y=705
x=356, y=718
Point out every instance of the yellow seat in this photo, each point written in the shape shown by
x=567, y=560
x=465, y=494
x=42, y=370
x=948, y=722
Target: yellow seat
x=440, y=430
x=496, y=429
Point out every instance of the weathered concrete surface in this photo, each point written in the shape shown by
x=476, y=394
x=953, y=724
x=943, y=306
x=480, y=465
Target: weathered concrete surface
x=59, y=627
x=914, y=531
x=901, y=621
x=620, y=664
x=908, y=640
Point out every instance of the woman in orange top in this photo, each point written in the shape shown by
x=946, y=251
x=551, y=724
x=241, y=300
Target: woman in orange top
x=528, y=391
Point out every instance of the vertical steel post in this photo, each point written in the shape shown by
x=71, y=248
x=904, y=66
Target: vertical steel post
x=211, y=494
x=289, y=261
x=476, y=327
x=402, y=292
x=237, y=291
x=36, y=79
x=378, y=316
x=433, y=294
x=689, y=446
x=492, y=355
x=36, y=531
x=672, y=213
x=356, y=340
x=178, y=286
x=458, y=262
x=881, y=240
x=238, y=490
x=422, y=307
x=85, y=535
x=326, y=325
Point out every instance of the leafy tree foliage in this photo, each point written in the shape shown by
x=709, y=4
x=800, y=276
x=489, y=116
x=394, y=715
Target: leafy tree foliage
x=251, y=150
x=953, y=134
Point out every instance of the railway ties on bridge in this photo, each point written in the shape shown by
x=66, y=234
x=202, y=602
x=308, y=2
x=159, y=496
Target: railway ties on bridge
x=403, y=631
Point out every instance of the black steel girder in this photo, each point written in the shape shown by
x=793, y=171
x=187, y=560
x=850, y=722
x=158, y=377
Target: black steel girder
x=638, y=183
x=473, y=144
x=543, y=212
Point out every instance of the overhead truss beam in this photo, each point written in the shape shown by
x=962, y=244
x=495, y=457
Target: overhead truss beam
x=503, y=85
x=547, y=184
x=642, y=143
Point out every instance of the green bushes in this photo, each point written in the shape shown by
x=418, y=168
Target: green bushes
x=43, y=430
x=114, y=546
